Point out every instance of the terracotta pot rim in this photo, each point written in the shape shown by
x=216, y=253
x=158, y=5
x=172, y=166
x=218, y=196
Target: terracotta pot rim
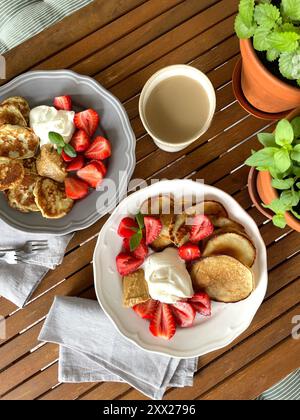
x=249, y=45
x=254, y=195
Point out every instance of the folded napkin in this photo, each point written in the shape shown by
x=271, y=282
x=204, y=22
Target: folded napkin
x=92, y=350
x=18, y=282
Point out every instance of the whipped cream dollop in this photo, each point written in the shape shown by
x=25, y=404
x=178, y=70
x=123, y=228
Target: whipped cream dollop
x=44, y=119
x=167, y=277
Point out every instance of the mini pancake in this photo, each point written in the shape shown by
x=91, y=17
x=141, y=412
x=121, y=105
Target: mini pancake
x=135, y=289
x=18, y=142
x=30, y=165
x=223, y=278
x=51, y=199
x=10, y=114
x=21, y=197
x=11, y=173
x=19, y=103
x=164, y=240
x=50, y=164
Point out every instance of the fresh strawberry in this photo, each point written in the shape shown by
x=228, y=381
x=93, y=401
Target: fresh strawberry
x=80, y=141
x=76, y=189
x=92, y=174
x=100, y=149
x=153, y=228
x=184, y=314
x=63, y=103
x=101, y=167
x=76, y=164
x=189, y=252
x=88, y=121
x=201, y=229
x=147, y=309
x=127, y=228
x=163, y=324
x=66, y=157
x=127, y=264
x=140, y=252
x=201, y=303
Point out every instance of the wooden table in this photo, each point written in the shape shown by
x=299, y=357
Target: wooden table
x=121, y=43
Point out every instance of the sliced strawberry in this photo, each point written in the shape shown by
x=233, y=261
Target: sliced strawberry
x=88, y=121
x=92, y=174
x=201, y=229
x=100, y=149
x=80, y=141
x=127, y=228
x=201, y=303
x=189, y=252
x=147, y=309
x=101, y=167
x=66, y=157
x=184, y=314
x=63, y=103
x=153, y=228
x=76, y=164
x=127, y=264
x=163, y=324
x=140, y=252
x=76, y=189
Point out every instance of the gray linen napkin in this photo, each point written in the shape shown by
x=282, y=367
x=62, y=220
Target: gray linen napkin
x=92, y=350
x=18, y=282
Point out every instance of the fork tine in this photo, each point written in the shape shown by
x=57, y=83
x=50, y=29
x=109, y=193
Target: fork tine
x=33, y=243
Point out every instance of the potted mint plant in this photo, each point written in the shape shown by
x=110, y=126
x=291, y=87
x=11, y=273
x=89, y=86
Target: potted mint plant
x=278, y=178
x=269, y=32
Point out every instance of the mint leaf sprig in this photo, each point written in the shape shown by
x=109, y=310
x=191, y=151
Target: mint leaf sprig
x=137, y=238
x=58, y=141
x=281, y=157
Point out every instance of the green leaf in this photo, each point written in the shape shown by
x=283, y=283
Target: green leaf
x=297, y=148
x=267, y=139
x=291, y=9
x=246, y=11
x=276, y=206
x=296, y=127
x=284, y=133
x=296, y=214
x=283, y=184
x=263, y=158
x=272, y=55
x=282, y=160
x=242, y=30
x=279, y=221
x=70, y=151
x=135, y=240
x=59, y=150
x=289, y=199
x=56, y=139
x=266, y=15
x=296, y=171
x=295, y=156
x=140, y=219
x=261, y=40
x=284, y=41
x=289, y=65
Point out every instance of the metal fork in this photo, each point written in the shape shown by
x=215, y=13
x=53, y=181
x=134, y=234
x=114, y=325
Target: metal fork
x=23, y=253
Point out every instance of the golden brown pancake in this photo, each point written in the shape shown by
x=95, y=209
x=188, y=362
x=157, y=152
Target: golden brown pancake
x=135, y=289
x=21, y=197
x=51, y=199
x=50, y=164
x=11, y=173
x=19, y=103
x=18, y=142
x=9, y=114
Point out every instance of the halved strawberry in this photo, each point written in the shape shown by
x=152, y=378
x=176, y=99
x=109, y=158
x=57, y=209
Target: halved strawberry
x=101, y=167
x=140, y=252
x=127, y=264
x=184, y=314
x=88, y=121
x=76, y=164
x=153, y=228
x=201, y=229
x=201, y=303
x=163, y=324
x=80, y=141
x=63, y=103
x=76, y=189
x=66, y=157
x=128, y=227
x=189, y=252
x=92, y=174
x=100, y=149
x=147, y=309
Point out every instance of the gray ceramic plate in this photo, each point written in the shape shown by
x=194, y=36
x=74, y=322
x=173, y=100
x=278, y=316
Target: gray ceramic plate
x=40, y=88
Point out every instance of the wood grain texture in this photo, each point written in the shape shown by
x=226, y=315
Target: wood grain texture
x=121, y=44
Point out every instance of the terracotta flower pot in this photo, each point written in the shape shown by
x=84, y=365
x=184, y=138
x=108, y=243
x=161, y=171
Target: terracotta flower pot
x=262, y=89
x=261, y=190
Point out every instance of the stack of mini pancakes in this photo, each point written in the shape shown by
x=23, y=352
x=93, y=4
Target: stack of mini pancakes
x=25, y=190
